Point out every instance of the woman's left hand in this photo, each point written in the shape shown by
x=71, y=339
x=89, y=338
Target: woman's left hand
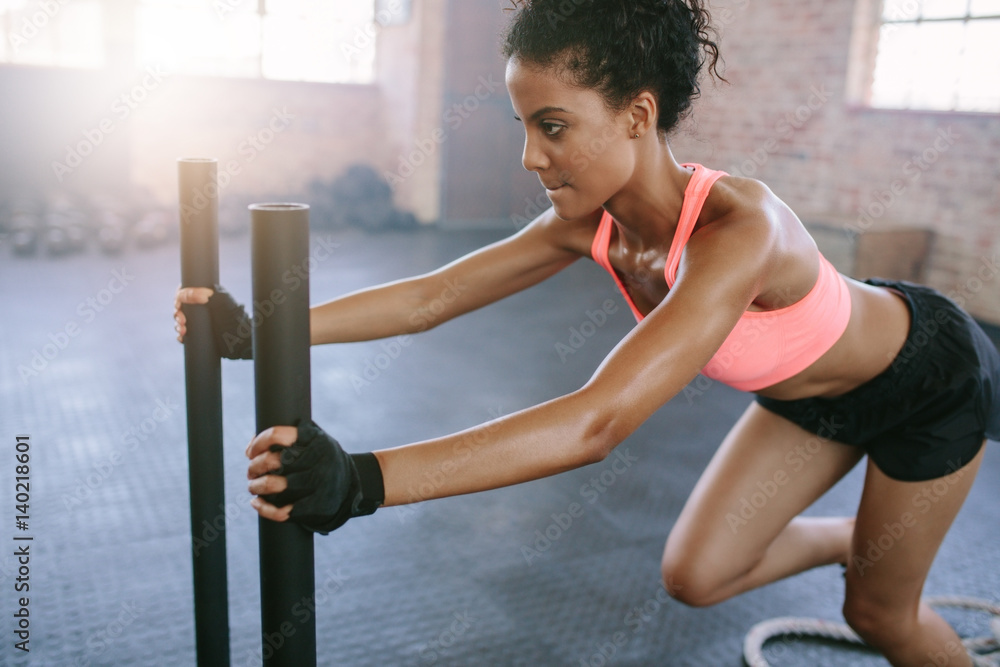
x=262, y=462
x=309, y=478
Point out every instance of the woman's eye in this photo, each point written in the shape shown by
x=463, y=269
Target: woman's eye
x=552, y=129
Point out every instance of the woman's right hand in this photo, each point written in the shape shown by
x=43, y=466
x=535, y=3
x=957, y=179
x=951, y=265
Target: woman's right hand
x=231, y=327
x=189, y=295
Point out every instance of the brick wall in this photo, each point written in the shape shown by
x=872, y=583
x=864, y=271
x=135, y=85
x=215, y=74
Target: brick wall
x=788, y=120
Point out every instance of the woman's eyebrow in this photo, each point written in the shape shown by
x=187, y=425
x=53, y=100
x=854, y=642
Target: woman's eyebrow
x=543, y=111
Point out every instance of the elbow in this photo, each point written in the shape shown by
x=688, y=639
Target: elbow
x=602, y=432
x=418, y=315
x=429, y=305
x=420, y=320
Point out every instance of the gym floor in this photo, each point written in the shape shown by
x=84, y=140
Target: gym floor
x=560, y=571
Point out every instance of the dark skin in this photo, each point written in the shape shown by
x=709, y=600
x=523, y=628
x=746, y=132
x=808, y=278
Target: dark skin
x=748, y=252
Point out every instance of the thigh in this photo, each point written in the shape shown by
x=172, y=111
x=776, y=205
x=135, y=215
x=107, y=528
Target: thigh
x=898, y=530
x=765, y=472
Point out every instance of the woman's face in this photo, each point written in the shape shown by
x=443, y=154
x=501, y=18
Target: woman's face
x=580, y=149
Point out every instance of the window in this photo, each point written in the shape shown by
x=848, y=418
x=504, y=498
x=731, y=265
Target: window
x=297, y=40
x=938, y=55
x=61, y=33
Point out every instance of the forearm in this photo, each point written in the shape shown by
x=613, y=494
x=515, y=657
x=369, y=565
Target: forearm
x=377, y=312
x=559, y=435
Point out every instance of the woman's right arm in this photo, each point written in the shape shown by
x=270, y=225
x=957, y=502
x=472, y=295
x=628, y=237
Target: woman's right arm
x=544, y=247
x=510, y=265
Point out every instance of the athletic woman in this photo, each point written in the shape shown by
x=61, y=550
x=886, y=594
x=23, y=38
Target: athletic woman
x=723, y=279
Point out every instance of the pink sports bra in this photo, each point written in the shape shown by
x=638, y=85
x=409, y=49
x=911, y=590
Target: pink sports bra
x=765, y=347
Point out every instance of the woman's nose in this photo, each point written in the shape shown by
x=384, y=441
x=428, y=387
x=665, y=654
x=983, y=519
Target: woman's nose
x=533, y=158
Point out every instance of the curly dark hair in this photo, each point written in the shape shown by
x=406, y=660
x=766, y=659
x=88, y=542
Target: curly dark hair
x=620, y=48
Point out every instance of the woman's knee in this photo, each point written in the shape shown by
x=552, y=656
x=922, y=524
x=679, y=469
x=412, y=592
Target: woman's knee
x=689, y=578
x=878, y=623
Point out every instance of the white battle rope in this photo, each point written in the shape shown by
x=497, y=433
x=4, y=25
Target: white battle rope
x=985, y=651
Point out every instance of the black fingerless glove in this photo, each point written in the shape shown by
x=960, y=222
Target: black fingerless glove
x=232, y=328
x=326, y=485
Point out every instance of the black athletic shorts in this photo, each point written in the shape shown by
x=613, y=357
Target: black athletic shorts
x=927, y=414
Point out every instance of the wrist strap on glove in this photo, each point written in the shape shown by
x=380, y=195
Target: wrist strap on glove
x=372, y=488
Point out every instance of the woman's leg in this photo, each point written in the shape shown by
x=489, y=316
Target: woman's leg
x=900, y=526
x=739, y=528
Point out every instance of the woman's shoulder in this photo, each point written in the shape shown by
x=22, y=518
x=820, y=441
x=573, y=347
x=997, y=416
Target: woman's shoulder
x=741, y=202
x=739, y=195
x=745, y=218
x=750, y=222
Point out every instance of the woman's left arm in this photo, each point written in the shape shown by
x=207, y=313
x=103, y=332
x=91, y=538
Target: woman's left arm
x=720, y=275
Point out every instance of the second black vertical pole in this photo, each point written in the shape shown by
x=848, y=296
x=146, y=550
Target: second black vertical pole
x=280, y=256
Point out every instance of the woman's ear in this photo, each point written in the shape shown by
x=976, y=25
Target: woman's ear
x=643, y=114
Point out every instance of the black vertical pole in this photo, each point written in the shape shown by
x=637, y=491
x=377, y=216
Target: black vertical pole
x=280, y=250
x=199, y=226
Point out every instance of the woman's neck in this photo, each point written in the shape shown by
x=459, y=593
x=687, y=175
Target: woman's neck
x=648, y=207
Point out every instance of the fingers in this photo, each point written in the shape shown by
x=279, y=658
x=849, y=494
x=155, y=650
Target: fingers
x=267, y=484
x=262, y=464
x=263, y=461
x=269, y=511
x=193, y=295
x=179, y=317
x=276, y=435
x=180, y=327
